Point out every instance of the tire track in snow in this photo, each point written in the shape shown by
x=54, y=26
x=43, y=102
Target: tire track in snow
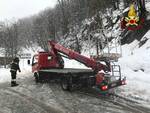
x=133, y=104
x=48, y=109
x=74, y=100
x=75, y=96
x=132, y=107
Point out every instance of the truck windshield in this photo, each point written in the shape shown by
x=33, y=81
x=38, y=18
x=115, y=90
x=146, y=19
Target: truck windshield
x=35, y=60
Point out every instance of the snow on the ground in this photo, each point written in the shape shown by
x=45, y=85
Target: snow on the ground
x=5, y=75
x=135, y=65
x=70, y=63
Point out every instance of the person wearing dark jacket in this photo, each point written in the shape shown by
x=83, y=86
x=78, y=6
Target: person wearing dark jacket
x=13, y=69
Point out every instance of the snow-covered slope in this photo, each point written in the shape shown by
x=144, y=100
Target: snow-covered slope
x=135, y=65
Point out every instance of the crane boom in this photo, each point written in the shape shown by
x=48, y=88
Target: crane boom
x=89, y=62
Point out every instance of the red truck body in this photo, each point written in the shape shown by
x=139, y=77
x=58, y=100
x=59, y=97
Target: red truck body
x=44, y=60
x=48, y=64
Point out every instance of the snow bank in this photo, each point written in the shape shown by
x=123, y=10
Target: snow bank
x=135, y=65
x=4, y=75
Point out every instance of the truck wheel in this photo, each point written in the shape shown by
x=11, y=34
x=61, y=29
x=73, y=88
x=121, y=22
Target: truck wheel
x=36, y=76
x=64, y=83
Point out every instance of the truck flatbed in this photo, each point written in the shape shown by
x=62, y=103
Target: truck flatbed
x=67, y=70
x=58, y=73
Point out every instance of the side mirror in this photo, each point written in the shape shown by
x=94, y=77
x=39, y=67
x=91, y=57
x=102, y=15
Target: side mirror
x=28, y=62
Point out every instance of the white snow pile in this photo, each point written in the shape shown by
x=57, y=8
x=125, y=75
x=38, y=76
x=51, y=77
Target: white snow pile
x=4, y=75
x=135, y=65
x=73, y=64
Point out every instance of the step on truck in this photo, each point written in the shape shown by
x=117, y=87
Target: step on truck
x=47, y=66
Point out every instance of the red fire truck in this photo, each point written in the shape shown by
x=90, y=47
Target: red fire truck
x=49, y=65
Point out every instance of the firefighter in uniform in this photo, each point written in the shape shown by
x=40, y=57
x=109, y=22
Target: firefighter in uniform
x=14, y=68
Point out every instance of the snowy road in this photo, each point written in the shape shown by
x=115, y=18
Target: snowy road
x=29, y=97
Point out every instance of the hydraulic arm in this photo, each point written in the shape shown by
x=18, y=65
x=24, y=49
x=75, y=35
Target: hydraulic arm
x=89, y=62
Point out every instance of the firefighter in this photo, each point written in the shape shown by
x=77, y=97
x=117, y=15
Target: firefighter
x=14, y=68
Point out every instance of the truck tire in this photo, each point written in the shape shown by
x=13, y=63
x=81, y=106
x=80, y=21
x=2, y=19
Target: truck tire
x=36, y=76
x=66, y=83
